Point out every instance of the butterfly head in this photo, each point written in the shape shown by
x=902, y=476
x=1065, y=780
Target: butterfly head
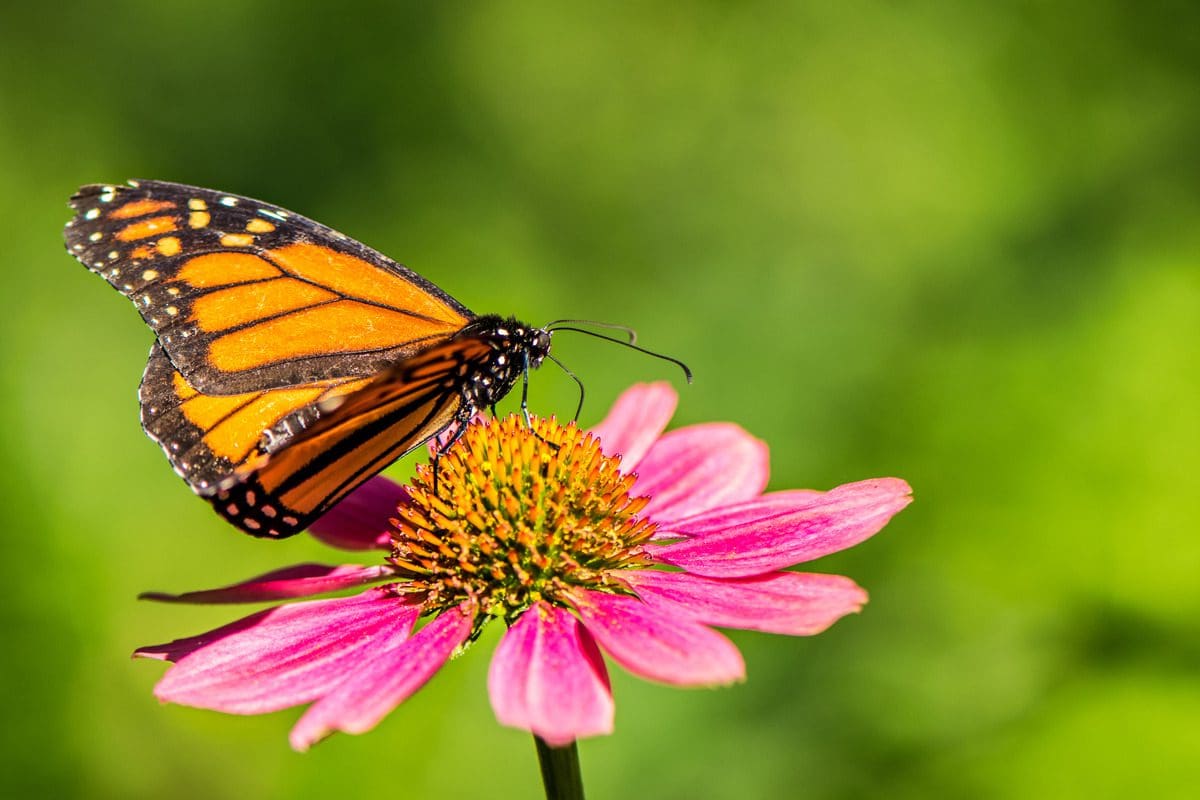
x=539, y=346
x=512, y=339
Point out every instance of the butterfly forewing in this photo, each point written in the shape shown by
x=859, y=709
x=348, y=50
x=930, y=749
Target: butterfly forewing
x=245, y=296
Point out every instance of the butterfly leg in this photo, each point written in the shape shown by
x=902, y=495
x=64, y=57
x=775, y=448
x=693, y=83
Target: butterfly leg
x=437, y=456
x=460, y=427
x=525, y=393
x=525, y=402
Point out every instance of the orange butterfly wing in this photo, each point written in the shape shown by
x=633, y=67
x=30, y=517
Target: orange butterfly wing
x=209, y=438
x=245, y=296
x=350, y=437
x=292, y=363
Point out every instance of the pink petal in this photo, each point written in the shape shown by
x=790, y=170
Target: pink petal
x=301, y=580
x=817, y=526
x=281, y=657
x=719, y=519
x=640, y=414
x=360, y=520
x=391, y=673
x=700, y=467
x=658, y=646
x=547, y=677
x=792, y=603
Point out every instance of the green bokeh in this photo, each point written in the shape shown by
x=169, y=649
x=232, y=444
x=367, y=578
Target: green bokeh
x=952, y=242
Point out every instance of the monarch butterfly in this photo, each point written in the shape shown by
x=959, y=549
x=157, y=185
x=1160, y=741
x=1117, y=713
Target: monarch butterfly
x=291, y=363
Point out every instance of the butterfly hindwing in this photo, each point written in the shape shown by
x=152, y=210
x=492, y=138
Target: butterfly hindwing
x=247, y=297
x=347, y=438
x=209, y=438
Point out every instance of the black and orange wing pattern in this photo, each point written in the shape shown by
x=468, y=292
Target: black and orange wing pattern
x=245, y=296
x=211, y=438
x=356, y=435
x=292, y=363
x=273, y=461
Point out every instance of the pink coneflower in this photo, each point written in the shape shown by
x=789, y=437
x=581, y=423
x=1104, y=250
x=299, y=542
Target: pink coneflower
x=624, y=541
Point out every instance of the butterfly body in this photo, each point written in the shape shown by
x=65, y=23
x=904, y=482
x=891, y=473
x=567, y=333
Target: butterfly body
x=291, y=363
x=517, y=347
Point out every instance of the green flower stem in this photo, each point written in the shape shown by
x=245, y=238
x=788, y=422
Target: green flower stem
x=560, y=771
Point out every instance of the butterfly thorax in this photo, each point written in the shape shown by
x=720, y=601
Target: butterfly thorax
x=517, y=347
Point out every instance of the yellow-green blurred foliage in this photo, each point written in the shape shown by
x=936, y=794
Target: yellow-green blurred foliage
x=958, y=243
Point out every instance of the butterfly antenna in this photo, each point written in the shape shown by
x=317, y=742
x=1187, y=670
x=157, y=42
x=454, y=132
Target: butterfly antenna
x=574, y=377
x=628, y=331
x=687, y=372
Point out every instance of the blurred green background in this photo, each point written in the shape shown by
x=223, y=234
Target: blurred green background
x=952, y=242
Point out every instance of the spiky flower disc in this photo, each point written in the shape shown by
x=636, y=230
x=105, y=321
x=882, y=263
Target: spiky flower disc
x=519, y=514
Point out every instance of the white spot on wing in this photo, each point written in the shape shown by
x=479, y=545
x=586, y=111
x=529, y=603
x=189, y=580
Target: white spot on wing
x=325, y=406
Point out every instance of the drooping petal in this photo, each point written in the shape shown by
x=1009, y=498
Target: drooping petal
x=640, y=414
x=818, y=526
x=547, y=676
x=658, y=646
x=281, y=657
x=791, y=603
x=302, y=580
x=390, y=674
x=175, y=650
x=360, y=520
x=700, y=467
